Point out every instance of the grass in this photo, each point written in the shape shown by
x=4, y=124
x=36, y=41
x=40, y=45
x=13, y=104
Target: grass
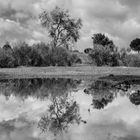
x=78, y=72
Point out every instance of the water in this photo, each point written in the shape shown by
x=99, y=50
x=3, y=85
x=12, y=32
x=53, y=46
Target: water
x=67, y=109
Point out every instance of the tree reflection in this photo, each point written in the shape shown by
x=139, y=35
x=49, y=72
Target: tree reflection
x=63, y=110
x=104, y=92
x=38, y=88
x=135, y=98
x=101, y=103
x=61, y=113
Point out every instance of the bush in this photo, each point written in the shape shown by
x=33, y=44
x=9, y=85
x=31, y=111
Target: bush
x=129, y=59
x=133, y=60
x=7, y=59
x=104, y=56
x=59, y=56
x=36, y=55
x=44, y=53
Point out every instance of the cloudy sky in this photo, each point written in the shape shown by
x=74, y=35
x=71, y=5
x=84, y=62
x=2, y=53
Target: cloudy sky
x=119, y=19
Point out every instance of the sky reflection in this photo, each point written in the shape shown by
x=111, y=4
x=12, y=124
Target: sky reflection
x=118, y=120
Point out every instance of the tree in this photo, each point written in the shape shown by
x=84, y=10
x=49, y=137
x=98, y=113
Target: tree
x=63, y=29
x=135, y=44
x=105, y=55
x=7, y=46
x=104, y=51
x=101, y=39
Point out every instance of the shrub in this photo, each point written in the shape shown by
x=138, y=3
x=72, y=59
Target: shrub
x=36, y=55
x=104, y=56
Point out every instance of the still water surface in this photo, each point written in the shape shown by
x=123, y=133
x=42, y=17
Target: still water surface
x=67, y=109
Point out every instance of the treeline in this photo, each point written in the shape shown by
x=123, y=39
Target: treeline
x=105, y=53
x=39, y=54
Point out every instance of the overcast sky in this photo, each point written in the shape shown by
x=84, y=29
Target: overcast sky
x=119, y=19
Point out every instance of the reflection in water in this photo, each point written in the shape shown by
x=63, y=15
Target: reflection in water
x=60, y=115
x=58, y=106
x=39, y=88
x=135, y=98
x=104, y=92
x=62, y=112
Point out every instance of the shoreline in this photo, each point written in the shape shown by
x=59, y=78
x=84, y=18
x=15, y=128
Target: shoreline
x=79, y=72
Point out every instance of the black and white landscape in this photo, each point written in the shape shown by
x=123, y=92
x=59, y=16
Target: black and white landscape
x=69, y=70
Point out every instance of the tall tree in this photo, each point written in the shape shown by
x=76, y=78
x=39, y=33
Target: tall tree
x=135, y=44
x=63, y=29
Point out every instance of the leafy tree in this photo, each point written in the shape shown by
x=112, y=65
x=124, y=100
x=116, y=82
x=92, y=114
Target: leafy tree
x=105, y=55
x=6, y=56
x=104, y=51
x=101, y=39
x=63, y=29
x=135, y=44
x=6, y=59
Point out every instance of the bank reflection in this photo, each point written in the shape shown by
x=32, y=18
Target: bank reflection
x=38, y=88
x=104, y=92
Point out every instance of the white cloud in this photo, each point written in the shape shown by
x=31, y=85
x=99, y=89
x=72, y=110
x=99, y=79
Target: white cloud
x=117, y=18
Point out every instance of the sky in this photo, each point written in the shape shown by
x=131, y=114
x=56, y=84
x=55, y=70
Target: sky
x=118, y=19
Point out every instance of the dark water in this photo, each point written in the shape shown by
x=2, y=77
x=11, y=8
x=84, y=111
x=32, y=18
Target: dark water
x=67, y=109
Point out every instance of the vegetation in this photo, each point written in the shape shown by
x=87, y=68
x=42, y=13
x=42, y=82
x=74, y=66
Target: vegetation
x=104, y=52
x=36, y=55
x=104, y=92
x=135, y=44
x=101, y=39
x=63, y=29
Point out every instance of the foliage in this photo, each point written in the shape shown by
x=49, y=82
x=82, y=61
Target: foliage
x=104, y=52
x=129, y=59
x=133, y=60
x=36, y=55
x=135, y=44
x=6, y=59
x=60, y=56
x=63, y=29
x=105, y=55
x=26, y=55
x=101, y=39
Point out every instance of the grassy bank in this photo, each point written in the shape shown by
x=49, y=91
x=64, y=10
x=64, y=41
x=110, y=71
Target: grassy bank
x=82, y=72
